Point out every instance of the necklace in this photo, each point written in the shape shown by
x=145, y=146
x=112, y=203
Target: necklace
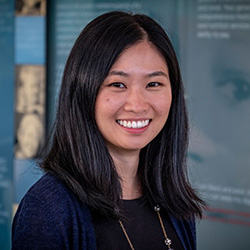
x=167, y=241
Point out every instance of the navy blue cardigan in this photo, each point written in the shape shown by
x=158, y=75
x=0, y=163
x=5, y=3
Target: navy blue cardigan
x=51, y=217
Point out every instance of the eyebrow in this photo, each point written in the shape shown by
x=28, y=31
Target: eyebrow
x=158, y=73
x=122, y=73
x=119, y=73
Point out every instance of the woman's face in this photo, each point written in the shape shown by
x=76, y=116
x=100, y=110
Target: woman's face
x=133, y=102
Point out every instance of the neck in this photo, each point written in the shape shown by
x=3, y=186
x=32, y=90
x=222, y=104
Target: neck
x=127, y=168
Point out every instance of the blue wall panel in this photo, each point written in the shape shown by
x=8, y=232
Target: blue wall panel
x=6, y=119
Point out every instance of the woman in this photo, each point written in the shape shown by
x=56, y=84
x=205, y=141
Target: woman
x=116, y=170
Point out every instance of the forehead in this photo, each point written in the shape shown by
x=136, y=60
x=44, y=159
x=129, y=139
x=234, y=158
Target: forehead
x=142, y=55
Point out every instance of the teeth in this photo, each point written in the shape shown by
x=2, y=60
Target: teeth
x=133, y=124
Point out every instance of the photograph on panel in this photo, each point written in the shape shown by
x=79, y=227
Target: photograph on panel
x=29, y=110
x=31, y=7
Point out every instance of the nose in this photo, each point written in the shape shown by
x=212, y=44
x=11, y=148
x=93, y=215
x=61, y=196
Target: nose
x=137, y=101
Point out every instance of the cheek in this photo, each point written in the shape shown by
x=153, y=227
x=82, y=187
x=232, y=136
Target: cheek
x=105, y=107
x=101, y=101
x=163, y=108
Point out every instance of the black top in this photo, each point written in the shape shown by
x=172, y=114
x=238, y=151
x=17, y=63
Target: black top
x=143, y=228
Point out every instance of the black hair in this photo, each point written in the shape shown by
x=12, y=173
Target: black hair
x=78, y=154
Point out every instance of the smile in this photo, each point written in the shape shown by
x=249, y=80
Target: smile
x=133, y=124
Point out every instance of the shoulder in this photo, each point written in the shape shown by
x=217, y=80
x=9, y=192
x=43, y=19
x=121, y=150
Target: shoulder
x=51, y=194
x=47, y=188
x=49, y=210
x=186, y=230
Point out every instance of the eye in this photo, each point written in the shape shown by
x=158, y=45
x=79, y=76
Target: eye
x=237, y=89
x=117, y=85
x=153, y=84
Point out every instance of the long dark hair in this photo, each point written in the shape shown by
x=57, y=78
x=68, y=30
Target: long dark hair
x=78, y=155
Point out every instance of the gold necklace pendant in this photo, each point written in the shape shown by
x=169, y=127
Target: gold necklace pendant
x=167, y=241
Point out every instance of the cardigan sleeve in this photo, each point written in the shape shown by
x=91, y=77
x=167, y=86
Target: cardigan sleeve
x=186, y=230
x=35, y=226
x=50, y=217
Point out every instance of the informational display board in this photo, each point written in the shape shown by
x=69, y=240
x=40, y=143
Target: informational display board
x=215, y=56
x=6, y=119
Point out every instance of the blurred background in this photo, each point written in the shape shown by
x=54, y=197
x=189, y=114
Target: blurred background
x=212, y=41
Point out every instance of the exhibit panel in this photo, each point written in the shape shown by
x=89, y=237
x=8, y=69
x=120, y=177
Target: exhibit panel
x=6, y=119
x=214, y=48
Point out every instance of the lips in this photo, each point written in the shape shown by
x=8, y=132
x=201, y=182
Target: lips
x=133, y=124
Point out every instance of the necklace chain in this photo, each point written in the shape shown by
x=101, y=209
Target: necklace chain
x=126, y=235
x=167, y=240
